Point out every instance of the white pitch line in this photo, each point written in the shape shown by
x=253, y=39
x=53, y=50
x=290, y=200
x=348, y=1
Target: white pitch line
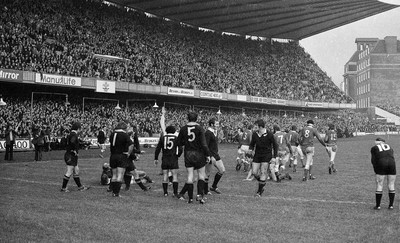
x=296, y=199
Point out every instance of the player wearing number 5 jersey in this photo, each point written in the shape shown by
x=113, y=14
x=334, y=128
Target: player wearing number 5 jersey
x=307, y=135
x=384, y=164
x=171, y=153
x=196, y=155
x=331, y=147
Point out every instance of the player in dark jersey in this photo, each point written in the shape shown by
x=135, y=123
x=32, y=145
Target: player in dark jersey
x=196, y=155
x=120, y=148
x=384, y=165
x=131, y=170
x=331, y=147
x=212, y=143
x=294, y=143
x=71, y=159
x=101, y=139
x=265, y=149
x=171, y=153
x=307, y=135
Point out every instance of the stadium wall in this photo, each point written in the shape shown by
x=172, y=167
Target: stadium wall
x=111, y=87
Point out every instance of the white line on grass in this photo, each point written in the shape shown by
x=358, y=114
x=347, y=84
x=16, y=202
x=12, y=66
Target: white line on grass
x=296, y=199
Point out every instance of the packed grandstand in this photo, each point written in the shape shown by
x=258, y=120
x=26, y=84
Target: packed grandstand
x=95, y=40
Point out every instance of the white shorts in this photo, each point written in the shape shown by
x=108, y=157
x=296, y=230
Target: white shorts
x=243, y=149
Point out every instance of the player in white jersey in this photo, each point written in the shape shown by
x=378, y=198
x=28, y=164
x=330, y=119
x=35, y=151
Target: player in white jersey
x=307, y=135
x=294, y=143
x=284, y=152
x=331, y=147
x=244, y=142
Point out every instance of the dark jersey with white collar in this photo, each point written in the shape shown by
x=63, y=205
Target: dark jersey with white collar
x=263, y=144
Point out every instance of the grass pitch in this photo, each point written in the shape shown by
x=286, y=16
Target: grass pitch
x=332, y=208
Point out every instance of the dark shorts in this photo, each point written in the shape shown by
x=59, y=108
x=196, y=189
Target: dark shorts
x=216, y=157
x=169, y=163
x=131, y=166
x=262, y=159
x=195, y=159
x=70, y=159
x=385, y=168
x=119, y=160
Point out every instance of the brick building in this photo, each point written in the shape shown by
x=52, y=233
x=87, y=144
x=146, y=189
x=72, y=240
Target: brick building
x=372, y=75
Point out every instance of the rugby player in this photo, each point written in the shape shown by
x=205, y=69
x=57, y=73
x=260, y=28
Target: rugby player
x=294, y=143
x=262, y=143
x=384, y=165
x=245, y=134
x=307, y=135
x=196, y=155
x=170, y=155
x=120, y=148
x=331, y=147
x=212, y=143
x=71, y=159
x=284, y=152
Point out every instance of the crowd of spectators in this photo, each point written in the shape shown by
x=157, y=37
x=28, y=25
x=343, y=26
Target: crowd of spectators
x=392, y=108
x=55, y=117
x=68, y=37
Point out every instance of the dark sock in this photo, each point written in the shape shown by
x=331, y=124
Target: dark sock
x=391, y=197
x=305, y=173
x=175, y=187
x=112, y=186
x=65, y=181
x=378, y=197
x=190, y=190
x=184, y=189
x=140, y=184
x=148, y=179
x=118, y=185
x=261, y=185
x=309, y=170
x=170, y=178
x=200, y=187
x=127, y=180
x=216, y=180
x=165, y=187
x=206, y=186
x=77, y=181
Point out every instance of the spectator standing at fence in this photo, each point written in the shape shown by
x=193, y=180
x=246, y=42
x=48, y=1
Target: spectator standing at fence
x=38, y=142
x=384, y=165
x=10, y=137
x=71, y=159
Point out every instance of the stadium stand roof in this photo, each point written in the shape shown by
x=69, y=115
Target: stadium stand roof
x=285, y=19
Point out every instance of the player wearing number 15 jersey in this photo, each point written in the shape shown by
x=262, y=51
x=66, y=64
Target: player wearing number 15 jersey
x=171, y=153
x=307, y=135
x=196, y=153
x=331, y=147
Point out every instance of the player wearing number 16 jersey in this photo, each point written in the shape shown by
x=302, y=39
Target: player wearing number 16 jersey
x=331, y=147
x=307, y=135
x=384, y=165
x=196, y=153
x=171, y=153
